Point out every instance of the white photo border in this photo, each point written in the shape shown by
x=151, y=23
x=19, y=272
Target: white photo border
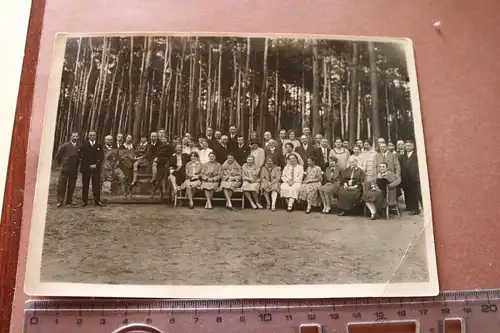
x=34, y=287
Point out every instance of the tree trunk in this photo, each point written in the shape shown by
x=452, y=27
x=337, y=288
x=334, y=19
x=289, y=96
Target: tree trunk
x=86, y=113
x=79, y=99
x=324, y=101
x=103, y=77
x=208, y=122
x=192, y=98
x=331, y=109
x=317, y=126
x=354, y=90
x=180, y=125
x=173, y=126
x=374, y=85
x=387, y=111
x=142, y=93
x=302, y=93
x=263, y=93
x=277, y=119
x=73, y=88
x=131, y=98
x=166, y=71
x=117, y=119
x=358, y=113
x=219, y=90
x=199, y=103
x=233, y=116
x=107, y=122
x=245, y=123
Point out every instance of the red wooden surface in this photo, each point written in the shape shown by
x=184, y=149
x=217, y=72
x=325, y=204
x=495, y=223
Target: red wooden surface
x=10, y=228
x=457, y=73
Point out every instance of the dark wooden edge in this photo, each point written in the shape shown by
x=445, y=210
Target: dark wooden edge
x=10, y=227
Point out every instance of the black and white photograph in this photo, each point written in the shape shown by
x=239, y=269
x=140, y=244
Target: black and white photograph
x=232, y=166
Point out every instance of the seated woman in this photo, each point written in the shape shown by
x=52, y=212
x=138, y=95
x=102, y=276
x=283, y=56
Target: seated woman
x=352, y=182
x=375, y=194
x=292, y=180
x=289, y=147
x=177, y=168
x=193, y=177
x=250, y=173
x=270, y=178
x=231, y=178
x=141, y=158
x=210, y=178
x=312, y=182
x=331, y=185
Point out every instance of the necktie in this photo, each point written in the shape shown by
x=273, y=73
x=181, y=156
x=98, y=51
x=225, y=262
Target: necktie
x=324, y=154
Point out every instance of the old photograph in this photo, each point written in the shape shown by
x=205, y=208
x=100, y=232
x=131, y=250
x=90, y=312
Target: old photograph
x=232, y=166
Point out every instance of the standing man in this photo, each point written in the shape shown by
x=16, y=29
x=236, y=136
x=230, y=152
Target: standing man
x=233, y=139
x=411, y=179
x=241, y=152
x=267, y=137
x=128, y=143
x=281, y=140
x=119, y=141
x=67, y=159
x=108, y=143
x=210, y=137
x=218, y=136
x=379, y=142
x=317, y=140
x=400, y=148
x=305, y=149
x=325, y=152
x=161, y=133
x=91, y=156
x=221, y=149
x=307, y=132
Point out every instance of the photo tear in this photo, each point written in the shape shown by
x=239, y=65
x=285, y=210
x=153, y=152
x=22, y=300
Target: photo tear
x=232, y=166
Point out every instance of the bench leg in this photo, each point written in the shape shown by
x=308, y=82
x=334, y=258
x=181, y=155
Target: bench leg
x=242, y=200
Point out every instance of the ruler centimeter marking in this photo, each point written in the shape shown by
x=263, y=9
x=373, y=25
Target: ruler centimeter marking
x=476, y=311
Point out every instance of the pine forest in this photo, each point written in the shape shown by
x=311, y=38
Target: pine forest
x=136, y=85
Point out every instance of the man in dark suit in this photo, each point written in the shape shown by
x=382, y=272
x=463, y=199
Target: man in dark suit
x=411, y=179
x=221, y=149
x=281, y=139
x=67, y=159
x=323, y=152
x=177, y=163
x=241, y=152
x=307, y=132
x=209, y=136
x=305, y=149
x=91, y=156
x=233, y=139
x=119, y=141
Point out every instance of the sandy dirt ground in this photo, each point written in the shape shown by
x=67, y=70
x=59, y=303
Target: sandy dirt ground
x=159, y=244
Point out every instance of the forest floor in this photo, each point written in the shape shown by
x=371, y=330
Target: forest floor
x=159, y=244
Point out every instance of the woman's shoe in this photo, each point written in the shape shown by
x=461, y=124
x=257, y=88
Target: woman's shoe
x=374, y=217
x=191, y=206
x=308, y=211
x=289, y=209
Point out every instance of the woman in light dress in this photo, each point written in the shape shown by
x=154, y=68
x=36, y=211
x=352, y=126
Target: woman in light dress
x=312, y=182
x=289, y=150
x=231, y=179
x=258, y=153
x=210, y=178
x=331, y=185
x=193, y=177
x=250, y=173
x=352, y=182
x=292, y=180
x=369, y=157
x=375, y=195
x=270, y=178
x=341, y=153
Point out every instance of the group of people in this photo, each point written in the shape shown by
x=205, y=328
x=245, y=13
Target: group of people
x=304, y=169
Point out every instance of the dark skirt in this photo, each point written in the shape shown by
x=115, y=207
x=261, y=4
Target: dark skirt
x=377, y=197
x=349, y=198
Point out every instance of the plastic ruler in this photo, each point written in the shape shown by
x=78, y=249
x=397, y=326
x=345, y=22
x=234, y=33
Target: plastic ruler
x=450, y=312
